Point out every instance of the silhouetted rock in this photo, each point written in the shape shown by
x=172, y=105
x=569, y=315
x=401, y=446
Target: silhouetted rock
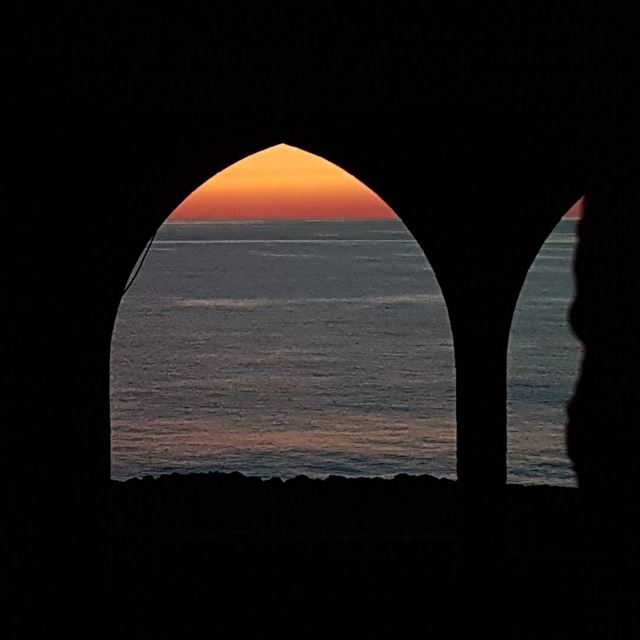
x=604, y=424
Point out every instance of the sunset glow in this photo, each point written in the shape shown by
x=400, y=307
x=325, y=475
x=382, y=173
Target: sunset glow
x=576, y=210
x=282, y=182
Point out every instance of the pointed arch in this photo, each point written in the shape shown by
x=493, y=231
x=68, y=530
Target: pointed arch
x=392, y=387
x=543, y=360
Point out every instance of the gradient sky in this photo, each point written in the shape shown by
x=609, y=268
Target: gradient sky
x=576, y=210
x=282, y=182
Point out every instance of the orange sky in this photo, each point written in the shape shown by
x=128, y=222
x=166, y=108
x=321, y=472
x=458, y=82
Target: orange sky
x=282, y=182
x=576, y=210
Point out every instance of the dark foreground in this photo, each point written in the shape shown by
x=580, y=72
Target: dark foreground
x=214, y=551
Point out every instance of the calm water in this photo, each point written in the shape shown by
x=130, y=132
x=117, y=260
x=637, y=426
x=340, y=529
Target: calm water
x=280, y=348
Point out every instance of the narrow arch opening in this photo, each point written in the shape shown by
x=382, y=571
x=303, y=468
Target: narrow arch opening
x=285, y=321
x=543, y=363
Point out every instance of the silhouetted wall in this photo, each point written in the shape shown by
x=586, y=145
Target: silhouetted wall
x=603, y=433
x=479, y=129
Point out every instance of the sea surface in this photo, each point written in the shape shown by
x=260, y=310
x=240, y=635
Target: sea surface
x=280, y=348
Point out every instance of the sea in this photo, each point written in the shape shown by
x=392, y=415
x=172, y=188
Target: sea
x=322, y=347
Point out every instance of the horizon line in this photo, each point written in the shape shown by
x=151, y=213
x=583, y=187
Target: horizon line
x=343, y=219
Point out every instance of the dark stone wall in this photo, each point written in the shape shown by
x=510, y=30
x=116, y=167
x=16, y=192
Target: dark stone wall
x=603, y=432
x=479, y=129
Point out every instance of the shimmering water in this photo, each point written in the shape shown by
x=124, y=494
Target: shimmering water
x=320, y=347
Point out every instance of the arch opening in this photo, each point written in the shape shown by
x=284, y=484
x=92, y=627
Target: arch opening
x=543, y=363
x=285, y=321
